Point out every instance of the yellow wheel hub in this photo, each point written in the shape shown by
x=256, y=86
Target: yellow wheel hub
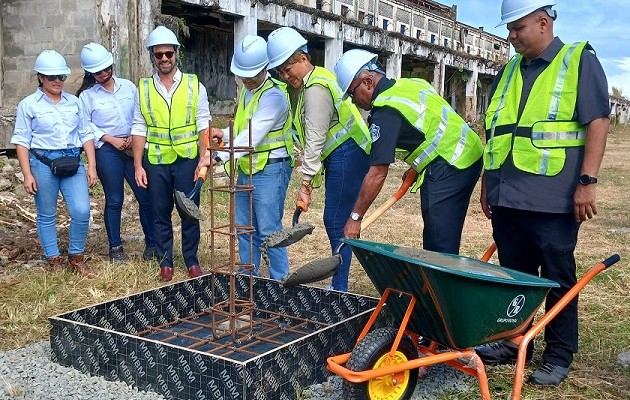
x=390, y=387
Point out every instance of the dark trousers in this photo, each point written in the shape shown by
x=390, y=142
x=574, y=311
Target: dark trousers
x=444, y=196
x=114, y=167
x=162, y=180
x=527, y=241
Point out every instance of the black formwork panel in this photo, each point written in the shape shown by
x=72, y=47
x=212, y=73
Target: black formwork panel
x=111, y=339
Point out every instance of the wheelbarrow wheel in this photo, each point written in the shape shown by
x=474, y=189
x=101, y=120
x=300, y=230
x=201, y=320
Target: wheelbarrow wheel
x=372, y=353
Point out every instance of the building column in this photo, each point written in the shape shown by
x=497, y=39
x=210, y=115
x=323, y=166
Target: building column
x=333, y=50
x=438, y=77
x=247, y=25
x=394, y=65
x=471, y=96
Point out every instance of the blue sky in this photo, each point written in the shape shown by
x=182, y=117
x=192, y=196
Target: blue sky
x=605, y=24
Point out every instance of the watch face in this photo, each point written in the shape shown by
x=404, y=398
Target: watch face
x=587, y=179
x=355, y=216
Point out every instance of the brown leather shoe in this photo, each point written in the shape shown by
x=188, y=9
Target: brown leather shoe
x=166, y=273
x=194, y=271
x=56, y=264
x=78, y=265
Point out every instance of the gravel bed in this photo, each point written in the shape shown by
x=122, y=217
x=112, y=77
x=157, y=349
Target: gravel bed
x=29, y=373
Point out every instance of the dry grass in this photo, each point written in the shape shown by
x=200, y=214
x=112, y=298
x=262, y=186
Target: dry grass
x=604, y=303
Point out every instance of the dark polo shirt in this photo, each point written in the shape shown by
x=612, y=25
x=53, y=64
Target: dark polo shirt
x=389, y=129
x=513, y=188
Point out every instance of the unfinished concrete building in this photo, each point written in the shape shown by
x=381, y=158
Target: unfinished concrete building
x=415, y=38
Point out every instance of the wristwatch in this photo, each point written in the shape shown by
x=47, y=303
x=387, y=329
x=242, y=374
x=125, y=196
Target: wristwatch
x=355, y=216
x=215, y=157
x=587, y=179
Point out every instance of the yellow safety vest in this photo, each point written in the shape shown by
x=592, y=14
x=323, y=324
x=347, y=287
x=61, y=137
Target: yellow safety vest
x=546, y=127
x=171, y=131
x=350, y=123
x=446, y=134
x=273, y=139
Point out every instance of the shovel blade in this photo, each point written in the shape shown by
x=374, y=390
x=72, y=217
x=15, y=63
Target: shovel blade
x=287, y=236
x=187, y=205
x=313, y=271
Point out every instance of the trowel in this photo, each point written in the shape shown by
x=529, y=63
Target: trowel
x=318, y=270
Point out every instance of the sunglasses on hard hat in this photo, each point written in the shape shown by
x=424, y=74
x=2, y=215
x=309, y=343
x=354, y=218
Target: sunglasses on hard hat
x=159, y=54
x=52, y=78
x=101, y=71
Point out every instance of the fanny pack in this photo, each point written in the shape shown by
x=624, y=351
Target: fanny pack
x=62, y=167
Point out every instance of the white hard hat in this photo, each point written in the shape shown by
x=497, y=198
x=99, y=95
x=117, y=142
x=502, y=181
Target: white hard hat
x=350, y=64
x=162, y=35
x=95, y=58
x=49, y=62
x=511, y=10
x=250, y=56
x=281, y=45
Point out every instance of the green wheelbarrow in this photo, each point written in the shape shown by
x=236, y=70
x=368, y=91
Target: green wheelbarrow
x=453, y=301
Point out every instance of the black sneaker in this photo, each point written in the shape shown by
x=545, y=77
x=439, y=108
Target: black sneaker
x=150, y=253
x=117, y=255
x=503, y=352
x=549, y=374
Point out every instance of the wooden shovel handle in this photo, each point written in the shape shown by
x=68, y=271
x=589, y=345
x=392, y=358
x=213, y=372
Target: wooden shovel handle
x=409, y=180
x=205, y=142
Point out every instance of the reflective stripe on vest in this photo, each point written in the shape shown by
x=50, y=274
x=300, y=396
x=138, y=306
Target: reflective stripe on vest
x=274, y=139
x=349, y=126
x=446, y=134
x=538, y=137
x=171, y=131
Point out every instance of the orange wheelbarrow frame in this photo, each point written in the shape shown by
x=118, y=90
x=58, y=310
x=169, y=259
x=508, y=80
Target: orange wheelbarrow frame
x=467, y=360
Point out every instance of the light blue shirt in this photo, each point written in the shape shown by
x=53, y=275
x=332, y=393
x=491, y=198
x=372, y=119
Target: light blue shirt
x=109, y=113
x=41, y=124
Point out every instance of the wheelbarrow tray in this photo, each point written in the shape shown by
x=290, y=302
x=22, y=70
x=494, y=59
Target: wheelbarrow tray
x=461, y=302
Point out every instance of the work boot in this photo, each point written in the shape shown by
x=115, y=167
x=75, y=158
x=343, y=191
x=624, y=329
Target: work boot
x=117, y=255
x=78, y=265
x=56, y=264
x=503, y=352
x=150, y=253
x=549, y=374
x=166, y=274
x=194, y=271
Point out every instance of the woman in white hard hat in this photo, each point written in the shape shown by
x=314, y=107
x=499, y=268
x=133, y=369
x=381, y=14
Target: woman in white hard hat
x=263, y=104
x=108, y=103
x=332, y=133
x=49, y=135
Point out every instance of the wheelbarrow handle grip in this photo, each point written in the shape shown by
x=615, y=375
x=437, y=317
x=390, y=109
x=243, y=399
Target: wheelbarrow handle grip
x=611, y=260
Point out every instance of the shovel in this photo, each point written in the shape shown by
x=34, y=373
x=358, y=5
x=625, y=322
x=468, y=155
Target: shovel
x=324, y=268
x=288, y=236
x=184, y=201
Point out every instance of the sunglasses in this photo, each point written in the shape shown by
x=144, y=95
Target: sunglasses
x=101, y=71
x=52, y=78
x=159, y=54
x=351, y=92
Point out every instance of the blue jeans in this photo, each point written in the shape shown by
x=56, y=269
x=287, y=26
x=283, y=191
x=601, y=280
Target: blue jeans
x=75, y=193
x=114, y=167
x=344, y=171
x=270, y=191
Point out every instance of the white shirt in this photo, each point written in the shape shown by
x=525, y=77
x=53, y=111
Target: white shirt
x=109, y=113
x=271, y=114
x=139, y=126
